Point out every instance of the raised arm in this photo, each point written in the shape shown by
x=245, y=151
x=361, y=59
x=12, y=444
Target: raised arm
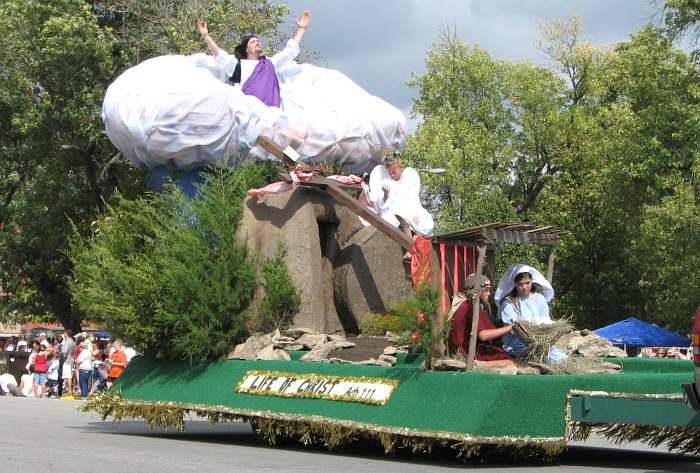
x=204, y=31
x=302, y=24
x=490, y=334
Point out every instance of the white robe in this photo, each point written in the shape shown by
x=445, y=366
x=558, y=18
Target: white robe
x=182, y=111
x=403, y=199
x=224, y=63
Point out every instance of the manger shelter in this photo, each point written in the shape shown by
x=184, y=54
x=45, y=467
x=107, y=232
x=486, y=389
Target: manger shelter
x=473, y=250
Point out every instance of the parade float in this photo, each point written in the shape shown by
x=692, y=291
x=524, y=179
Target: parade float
x=296, y=383
x=346, y=261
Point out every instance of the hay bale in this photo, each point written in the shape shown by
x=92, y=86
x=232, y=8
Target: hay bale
x=540, y=338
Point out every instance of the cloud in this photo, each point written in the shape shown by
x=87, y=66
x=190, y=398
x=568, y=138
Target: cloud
x=378, y=44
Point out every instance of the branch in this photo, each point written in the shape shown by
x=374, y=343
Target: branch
x=108, y=164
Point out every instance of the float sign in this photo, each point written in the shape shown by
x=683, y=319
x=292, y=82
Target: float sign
x=307, y=385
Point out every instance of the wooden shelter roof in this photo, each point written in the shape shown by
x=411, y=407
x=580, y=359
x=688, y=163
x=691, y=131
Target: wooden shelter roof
x=500, y=233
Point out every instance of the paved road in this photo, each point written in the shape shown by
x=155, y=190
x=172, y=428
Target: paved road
x=51, y=436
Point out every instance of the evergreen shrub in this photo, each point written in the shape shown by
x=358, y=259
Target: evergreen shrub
x=417, y=314
x=282, y=299
x=168, y=273
x=377, y=325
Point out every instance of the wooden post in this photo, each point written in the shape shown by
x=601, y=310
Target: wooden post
x=276, y=150
x=476, y=305
x=550, y=264
x=375, y=220
x=490, y=265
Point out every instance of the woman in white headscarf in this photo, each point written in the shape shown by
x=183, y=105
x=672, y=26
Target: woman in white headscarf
x=518, y=302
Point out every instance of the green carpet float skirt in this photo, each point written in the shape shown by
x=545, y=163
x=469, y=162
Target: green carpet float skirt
x=405, y=407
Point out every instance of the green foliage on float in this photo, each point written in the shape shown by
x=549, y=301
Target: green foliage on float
x=168, y=273
x=418, y=316
x=282, y=298
x=377, y=325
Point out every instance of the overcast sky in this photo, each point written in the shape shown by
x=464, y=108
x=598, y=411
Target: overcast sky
x=379, y=43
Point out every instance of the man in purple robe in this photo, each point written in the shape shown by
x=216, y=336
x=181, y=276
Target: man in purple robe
x=249, y=69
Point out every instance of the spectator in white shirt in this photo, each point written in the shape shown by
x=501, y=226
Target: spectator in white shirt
x=84, y=362
x=8, y=384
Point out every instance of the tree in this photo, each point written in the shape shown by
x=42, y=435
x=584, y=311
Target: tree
x=154, y=27
x=466, y=128
x=58, y=170
x=573, y=55
x=682, y=18
x=498, y=127
x=169, y=273
x=57, y=166
x=629, y=195
x=603, y=144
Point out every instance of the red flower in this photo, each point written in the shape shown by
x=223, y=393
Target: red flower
x=415, y=336
x=421, y=316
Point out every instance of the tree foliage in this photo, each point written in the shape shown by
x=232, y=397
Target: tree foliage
x=282, y=298
x=681, y=18
x=148, y=28
x=55, y=61
x=169, y=273
x=415, y=320
x=602, y=142
x=57, y=58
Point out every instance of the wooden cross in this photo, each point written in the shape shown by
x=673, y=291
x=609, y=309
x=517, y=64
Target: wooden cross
x=334, y=190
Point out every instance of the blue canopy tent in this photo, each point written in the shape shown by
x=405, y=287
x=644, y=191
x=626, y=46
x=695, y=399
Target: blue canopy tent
x=634, y=332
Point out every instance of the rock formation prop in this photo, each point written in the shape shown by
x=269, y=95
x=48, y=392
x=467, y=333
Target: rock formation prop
x=583, y=346
x=587, y=344
x=342, y=269
x=320, y=347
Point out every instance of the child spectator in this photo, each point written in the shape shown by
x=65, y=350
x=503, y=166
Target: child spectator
x=76, y=375
x=52, y=375
x=26, y=384
x=118, y=362
x=40, y=369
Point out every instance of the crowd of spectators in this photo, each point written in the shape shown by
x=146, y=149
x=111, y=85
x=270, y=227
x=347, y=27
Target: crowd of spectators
x=65, y=365
x=673, y=353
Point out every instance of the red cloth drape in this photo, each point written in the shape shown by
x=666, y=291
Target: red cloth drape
x=466, y=267
x=420, y=260
x=455, y=271
x=443, y=278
